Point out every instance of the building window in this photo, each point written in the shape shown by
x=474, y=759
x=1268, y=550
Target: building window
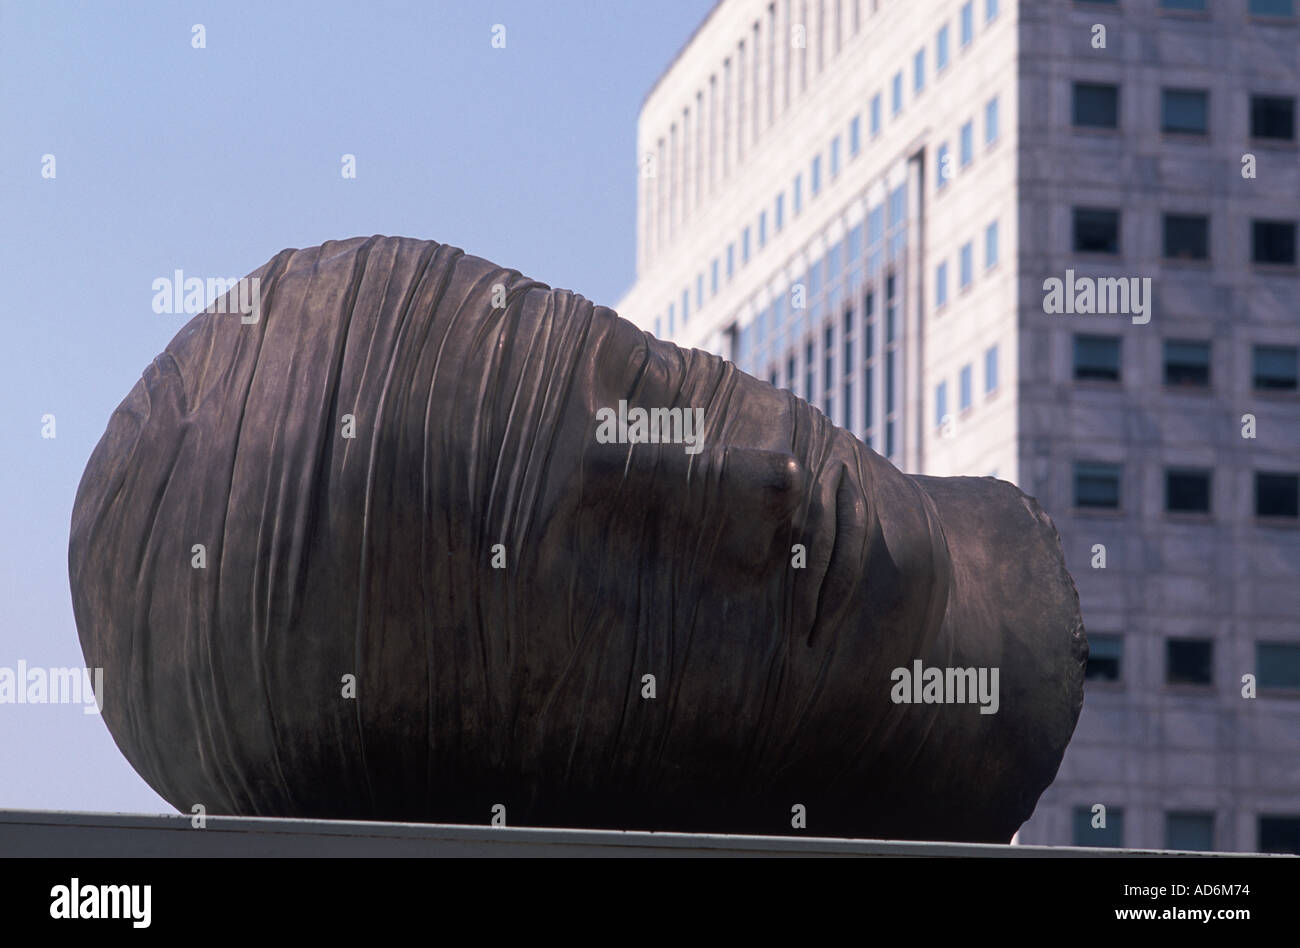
x=940, y=404
x=1187, y=491
x=855, y=135
x=1096, y=485
x=1105, y=657
x=780, y=212
x=686, y=306
x=942, y=165
x=1185, y=111
x=875, y=115
x=1096, y=358
x=658, y=327
x=798, y=193
x=1272, y=117
x=1189, y=661
x=1277, y=494
x=941, y=49
x=1182, y=4
x=991, y=121
x=967, y=143
x=990, y=369
x=1277, y=665
x=744, y=246
x=1189, y=832
x=672, y=319
x=967, y=23
x=1096, y=105
x=966, y=265
x=808, y=372
x=1187, y=363
x=731, y=260
x=990, y=10
x=848, y=343
x=918, y=70
x=699, y=290
x=815, y=184
x=713, y=271
x=855, y=256
x=869, y=420
x=964, y=388
x=941, y=284
x=897, y=207
x=1272, y=7
x=1279, y=834
x=1273, y=242
x=991, y=245
x=762, y=228
x=835, y=156
x=1110, y=836
x=1187, y=237
x=1096, y=230
x=1276, y=368
x=897, y=98
x=889, y=381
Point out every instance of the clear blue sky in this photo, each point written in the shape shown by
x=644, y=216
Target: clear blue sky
x=212, y=160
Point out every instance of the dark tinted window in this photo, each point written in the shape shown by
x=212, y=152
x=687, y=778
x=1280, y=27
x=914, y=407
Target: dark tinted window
x=1185, y=111
x=1187, y=491
x=1276, y=368
x=1105, y=657
x=1279, y=834
x=1273, y=241
x=1187, y=236
x=1097, y=357
x=1277, y=665
x=1272, y=117
x=1096, y=230
x=1096, y=485
x=1096, y=105
x=1189, y=831
x=1277, y=495
x=1272, y=7
x=1188, y=661
x=1187, y=363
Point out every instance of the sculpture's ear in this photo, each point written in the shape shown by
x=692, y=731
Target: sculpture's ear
x=747, y=496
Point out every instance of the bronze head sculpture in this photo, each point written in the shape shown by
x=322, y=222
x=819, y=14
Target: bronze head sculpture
x=434, y=477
